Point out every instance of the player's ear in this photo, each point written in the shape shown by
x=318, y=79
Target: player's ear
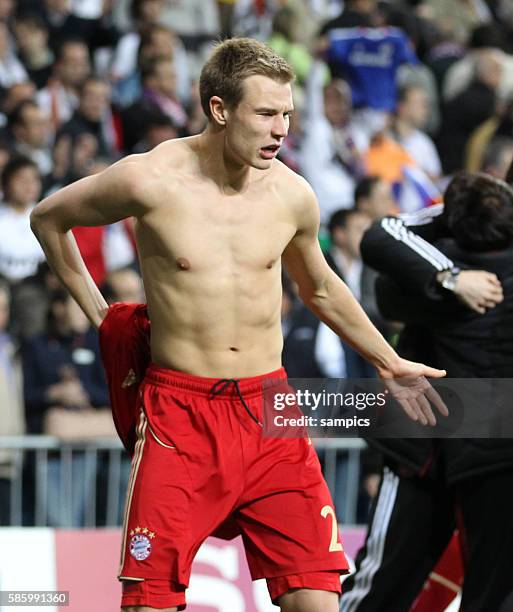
x=218, y=110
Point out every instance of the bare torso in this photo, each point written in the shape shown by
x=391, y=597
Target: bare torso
x=211, y=265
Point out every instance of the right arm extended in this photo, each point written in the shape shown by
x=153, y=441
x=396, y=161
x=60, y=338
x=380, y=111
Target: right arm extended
x=101, y=199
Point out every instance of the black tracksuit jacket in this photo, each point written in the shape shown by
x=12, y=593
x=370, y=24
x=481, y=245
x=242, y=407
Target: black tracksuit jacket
x=408, y=252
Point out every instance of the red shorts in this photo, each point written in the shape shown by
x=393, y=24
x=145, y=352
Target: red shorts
x=201, y=462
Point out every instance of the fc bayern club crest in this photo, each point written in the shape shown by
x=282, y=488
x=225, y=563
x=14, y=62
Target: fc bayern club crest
x=140, y=547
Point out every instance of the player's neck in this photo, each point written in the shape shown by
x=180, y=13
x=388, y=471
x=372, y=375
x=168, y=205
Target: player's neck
x=216, y=163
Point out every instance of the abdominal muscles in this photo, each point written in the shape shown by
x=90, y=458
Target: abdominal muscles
x=216, y=324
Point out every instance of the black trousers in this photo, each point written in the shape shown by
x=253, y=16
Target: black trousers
x=412, y=522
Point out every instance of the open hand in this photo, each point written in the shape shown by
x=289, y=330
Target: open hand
x=406, y=381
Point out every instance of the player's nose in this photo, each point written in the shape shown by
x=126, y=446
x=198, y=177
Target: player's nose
x=279, y=127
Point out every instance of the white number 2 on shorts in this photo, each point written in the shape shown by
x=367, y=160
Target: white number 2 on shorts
x=335, y=545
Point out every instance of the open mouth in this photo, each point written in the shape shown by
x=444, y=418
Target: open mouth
x=270, y=151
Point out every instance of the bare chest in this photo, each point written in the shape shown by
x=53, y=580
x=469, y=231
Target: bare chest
x=200, y=232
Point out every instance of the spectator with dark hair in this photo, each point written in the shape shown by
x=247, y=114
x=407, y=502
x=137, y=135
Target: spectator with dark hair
x=59, y=98
x=159, y=95
x=346, y=228
x=373, y=196
x=16, y=94
x=20, y=253
x=92, y=117
x=159, y=87
x=479, y=214
x=33, y=49
x=158, y=128
x=30, y=130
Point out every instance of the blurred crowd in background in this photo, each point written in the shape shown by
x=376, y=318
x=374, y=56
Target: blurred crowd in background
x=391, y=99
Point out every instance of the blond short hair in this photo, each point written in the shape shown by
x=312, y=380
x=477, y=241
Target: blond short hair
x=234, y=60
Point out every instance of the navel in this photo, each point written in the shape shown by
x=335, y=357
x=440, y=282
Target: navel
x=233, y=348
x=182, y=263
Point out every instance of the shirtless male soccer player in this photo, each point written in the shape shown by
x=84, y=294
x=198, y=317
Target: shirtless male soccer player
x=215, y=215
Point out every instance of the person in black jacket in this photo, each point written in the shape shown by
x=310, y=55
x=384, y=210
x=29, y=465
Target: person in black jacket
x=464, y=321
x=62, y=366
